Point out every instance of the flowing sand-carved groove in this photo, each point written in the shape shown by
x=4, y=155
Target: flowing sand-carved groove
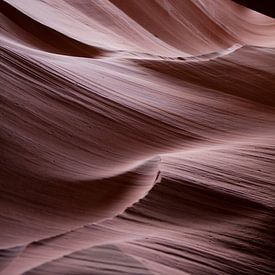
x=137, y=137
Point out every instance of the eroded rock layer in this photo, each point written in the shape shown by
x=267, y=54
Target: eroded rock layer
x=137, y=137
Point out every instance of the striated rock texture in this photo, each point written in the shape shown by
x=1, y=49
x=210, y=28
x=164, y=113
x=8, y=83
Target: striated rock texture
x=137, y=137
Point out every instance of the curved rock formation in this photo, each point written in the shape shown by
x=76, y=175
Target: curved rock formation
x=137, y=137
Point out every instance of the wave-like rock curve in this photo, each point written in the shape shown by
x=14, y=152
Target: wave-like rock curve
x=137, y=137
